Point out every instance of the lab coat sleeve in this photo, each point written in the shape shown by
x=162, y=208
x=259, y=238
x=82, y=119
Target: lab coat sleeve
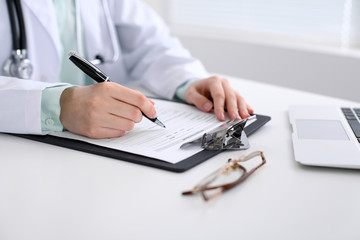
x=150, y=53
x=20, y=104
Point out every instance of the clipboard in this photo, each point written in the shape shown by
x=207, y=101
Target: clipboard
x=181, y=166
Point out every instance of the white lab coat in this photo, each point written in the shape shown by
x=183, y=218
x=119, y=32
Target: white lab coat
x=147, y=53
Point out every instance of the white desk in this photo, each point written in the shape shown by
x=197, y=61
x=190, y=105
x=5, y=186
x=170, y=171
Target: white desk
x=48, y=192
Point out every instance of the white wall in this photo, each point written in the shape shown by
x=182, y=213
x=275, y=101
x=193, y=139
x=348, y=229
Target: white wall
x=323, y=72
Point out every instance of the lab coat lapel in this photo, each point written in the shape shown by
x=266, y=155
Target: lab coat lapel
x=41, y=10
x=96, y=33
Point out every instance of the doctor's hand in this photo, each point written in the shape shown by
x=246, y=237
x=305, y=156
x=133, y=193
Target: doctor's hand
x=103, y=110
x=216, y=93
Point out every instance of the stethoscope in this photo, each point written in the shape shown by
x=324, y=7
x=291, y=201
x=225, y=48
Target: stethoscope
x=19, y=65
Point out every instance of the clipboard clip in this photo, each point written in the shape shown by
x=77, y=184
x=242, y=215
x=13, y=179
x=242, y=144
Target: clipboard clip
x=229, y=135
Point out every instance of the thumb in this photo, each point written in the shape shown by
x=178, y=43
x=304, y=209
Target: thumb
x=200, y=101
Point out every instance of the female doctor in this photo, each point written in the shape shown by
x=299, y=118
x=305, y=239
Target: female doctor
x=127, y=39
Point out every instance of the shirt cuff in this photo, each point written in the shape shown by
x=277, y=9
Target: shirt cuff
x=50, y=109
x=181, y=90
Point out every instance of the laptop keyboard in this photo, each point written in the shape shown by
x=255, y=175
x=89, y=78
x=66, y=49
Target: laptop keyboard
x=352, y=115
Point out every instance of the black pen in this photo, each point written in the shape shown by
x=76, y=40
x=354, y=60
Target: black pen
x=95, y=73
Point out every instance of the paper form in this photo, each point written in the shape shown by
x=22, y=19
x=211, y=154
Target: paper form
x=183, y=124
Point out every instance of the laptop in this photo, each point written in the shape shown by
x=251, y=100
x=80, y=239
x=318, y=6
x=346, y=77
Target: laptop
x=326, y=135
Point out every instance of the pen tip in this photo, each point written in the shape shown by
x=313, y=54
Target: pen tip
x=160, y=123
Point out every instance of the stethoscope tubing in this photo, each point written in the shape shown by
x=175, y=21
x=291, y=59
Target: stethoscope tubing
x=99, y=59
x=18, y=35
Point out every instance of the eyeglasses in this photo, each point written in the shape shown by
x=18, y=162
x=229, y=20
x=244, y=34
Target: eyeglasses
x=229, y=176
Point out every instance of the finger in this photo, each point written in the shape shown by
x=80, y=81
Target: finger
x=242, y=105
x=218, y=96
x=102, y=132
x=199, y=100
x=231, y=101
x=129, y=96
x=116, y=122
x=124, y=110
x=134, y=98
x=250, y=109
x=100, y=125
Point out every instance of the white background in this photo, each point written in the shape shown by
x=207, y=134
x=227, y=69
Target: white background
x=317, y=69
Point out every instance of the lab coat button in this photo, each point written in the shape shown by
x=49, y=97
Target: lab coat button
x=49, y=122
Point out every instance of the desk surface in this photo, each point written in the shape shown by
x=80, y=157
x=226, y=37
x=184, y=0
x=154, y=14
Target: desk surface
x=48, y=192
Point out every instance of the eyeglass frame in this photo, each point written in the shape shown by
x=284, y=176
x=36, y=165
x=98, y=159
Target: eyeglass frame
x=232, y=164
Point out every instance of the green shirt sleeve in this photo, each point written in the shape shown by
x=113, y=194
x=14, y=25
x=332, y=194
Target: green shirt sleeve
x=50, y=108
x=181, y=90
